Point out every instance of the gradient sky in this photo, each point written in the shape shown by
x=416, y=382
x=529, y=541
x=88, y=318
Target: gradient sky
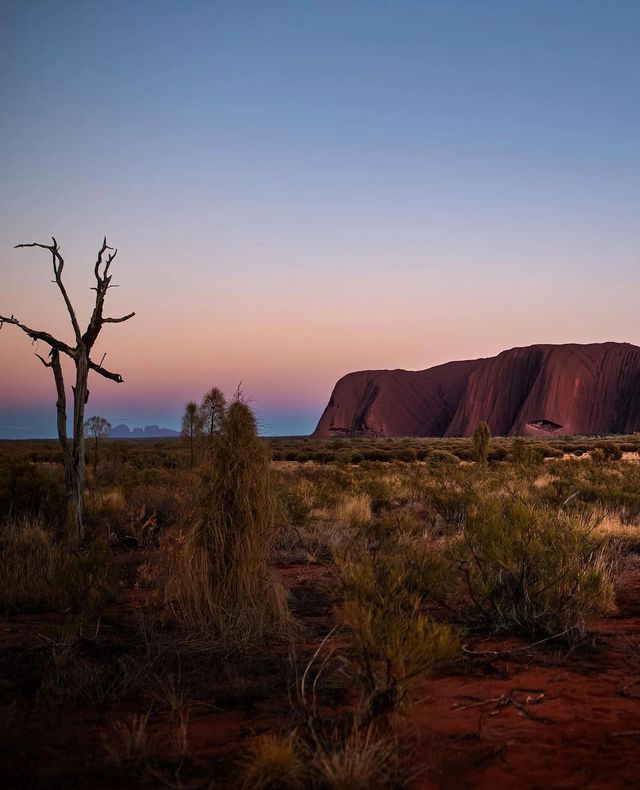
x=307, y=187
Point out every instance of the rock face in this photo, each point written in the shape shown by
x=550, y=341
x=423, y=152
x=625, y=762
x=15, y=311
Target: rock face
x=533, y=391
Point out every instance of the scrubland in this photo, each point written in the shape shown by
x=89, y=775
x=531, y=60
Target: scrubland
x=295, y=613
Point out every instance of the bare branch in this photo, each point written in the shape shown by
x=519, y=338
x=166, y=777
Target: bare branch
x=37, y=334
x=101, y=252
x=110, y=260
x=106, y=373
x=44, y=361
x=58, y=266
x=117, y=320
x=103, y=283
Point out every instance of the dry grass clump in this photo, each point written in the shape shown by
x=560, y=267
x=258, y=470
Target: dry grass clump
x=362, y=761
x=220, y=578
x=358, y=759
x=355, y=511
x=272, y=762
x=533, y=570
x=28, y=560
x=129, y=739
x=37, y=572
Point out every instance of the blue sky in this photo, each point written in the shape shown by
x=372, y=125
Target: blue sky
x=300, y=189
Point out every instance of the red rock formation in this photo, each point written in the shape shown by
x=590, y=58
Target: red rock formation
x=537, y=390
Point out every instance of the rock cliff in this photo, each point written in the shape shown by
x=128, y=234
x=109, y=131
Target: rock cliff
x=537, y=390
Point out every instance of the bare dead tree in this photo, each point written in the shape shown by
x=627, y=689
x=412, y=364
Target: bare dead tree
x=73, y=451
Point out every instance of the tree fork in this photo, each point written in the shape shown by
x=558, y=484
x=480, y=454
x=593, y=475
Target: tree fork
x=74, y=453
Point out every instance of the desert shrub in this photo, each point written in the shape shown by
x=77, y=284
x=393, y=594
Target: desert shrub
x=394, y=641
x=440, y=457
x=394, y=524
x=31, y=490
x=378, y=488
x=548, y=451
x=37, y=572
x=297, y=506
x=273, y=763
x=532, y=570
x=449, y=498
x=220, y=577
x=581, y=487
x=608, y=451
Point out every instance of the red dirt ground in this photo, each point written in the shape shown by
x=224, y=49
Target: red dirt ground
x=513, y=716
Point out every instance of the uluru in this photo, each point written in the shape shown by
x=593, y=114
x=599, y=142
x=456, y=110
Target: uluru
x=569, y=389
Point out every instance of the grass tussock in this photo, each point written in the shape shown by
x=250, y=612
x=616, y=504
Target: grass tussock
x=358, y=759
x=129, y=739
x=220, y=579
x=38, y=572
x=355, y=511
x=362, y=761
x=273, y=762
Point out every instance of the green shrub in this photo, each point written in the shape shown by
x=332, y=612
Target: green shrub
x=532, y=570
x=394, y=640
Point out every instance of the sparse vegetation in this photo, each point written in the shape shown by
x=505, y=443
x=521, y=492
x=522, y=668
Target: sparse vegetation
x=533, y=570
x=203, y=596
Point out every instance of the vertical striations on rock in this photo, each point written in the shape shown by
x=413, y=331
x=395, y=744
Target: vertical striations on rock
x=536, y=390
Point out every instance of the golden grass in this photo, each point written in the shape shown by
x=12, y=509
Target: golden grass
x=129, y=739
x=221, y=580
x=355, y=511
x=272, y=762
x=364, y=761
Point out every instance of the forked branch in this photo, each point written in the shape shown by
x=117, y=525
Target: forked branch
x=58, y=266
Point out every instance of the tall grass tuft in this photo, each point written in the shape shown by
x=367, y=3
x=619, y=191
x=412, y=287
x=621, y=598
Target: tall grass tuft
x=221, y=580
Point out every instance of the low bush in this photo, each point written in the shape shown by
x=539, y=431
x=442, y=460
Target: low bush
x=608, y=451
x=394, y=640
x=531, y=570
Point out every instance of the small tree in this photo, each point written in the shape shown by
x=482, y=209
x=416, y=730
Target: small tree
x=190, y=422
x=96, y=428
x=80, y=354
x=481, y=440
x=212, y=413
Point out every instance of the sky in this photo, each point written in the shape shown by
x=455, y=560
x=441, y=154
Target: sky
x=302, y=188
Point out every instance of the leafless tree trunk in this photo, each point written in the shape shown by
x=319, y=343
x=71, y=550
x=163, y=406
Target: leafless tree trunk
x=73, y=451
